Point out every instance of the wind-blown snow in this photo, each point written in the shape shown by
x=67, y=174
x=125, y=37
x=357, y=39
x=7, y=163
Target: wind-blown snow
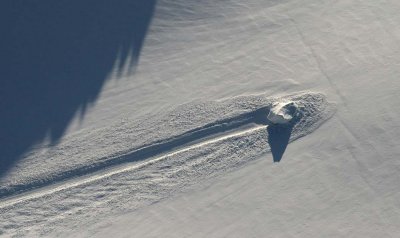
x=209, y=163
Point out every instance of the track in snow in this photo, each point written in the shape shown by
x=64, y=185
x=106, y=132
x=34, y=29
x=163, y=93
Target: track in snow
x=218, y=138
x=314, y=110
x=196, y=138
x=121, y=169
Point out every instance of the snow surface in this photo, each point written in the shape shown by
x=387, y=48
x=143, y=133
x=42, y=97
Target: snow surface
x=180, y=146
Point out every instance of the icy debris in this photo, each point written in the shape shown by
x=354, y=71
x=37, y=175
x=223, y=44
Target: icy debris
x=282, y=112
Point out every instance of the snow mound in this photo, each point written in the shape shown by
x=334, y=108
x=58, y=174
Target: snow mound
x=282, y=112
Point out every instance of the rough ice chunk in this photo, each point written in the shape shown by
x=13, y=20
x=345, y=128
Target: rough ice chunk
x=282, y=112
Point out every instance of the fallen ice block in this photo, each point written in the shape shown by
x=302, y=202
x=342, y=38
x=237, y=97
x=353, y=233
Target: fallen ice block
x=282, y=112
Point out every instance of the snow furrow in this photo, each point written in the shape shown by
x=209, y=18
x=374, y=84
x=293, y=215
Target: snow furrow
x=313, y=110
x=210, y=130
x=122, y=169
x=247, y=136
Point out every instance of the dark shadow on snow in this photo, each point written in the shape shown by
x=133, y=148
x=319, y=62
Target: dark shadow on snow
x=279, y=135
x=55, y=56
x=278, y=139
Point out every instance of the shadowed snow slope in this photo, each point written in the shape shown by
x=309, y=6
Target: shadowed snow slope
x=209, y=159
x=56, y=56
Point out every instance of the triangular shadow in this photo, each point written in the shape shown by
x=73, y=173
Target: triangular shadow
x=278, y=139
